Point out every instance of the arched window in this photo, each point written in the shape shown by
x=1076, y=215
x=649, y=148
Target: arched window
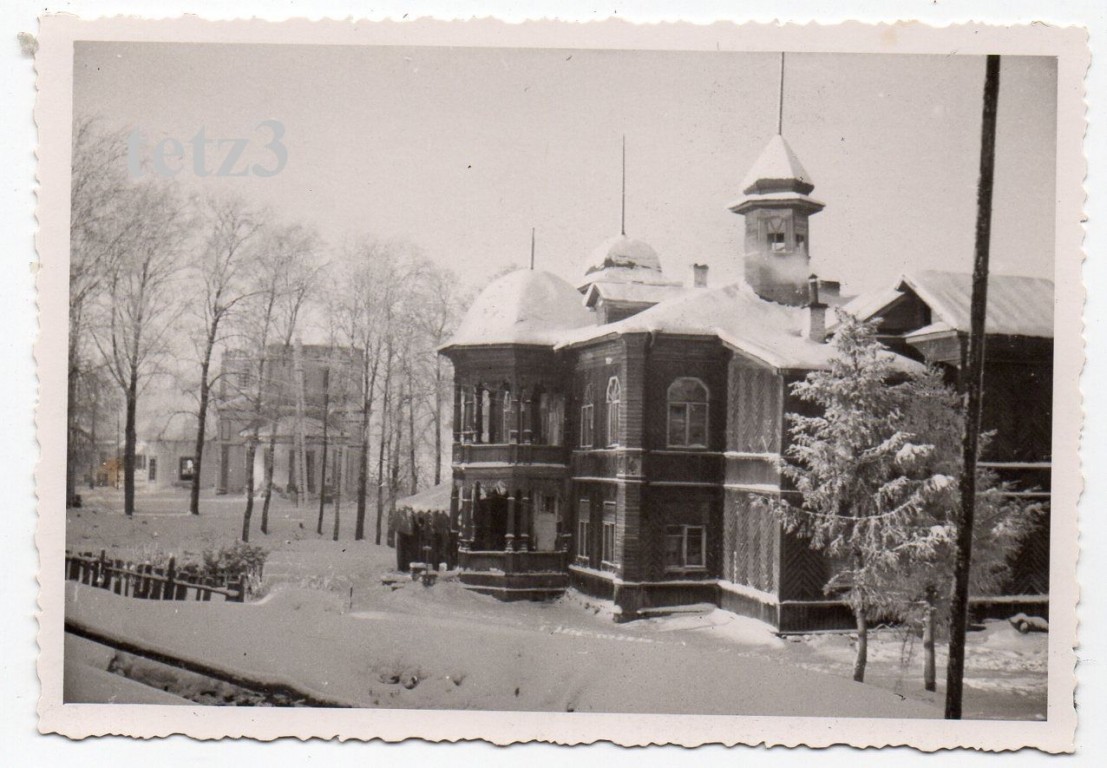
x=586, y=410
x=614, y=398
x=687, y=413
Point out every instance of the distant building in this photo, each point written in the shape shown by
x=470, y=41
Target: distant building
x=617, y=441
x=295, y=396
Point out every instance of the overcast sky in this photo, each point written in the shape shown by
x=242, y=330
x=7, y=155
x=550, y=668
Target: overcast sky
x=462, y=151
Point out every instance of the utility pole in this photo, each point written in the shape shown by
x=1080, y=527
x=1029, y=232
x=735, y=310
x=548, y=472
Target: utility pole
x=973, y=395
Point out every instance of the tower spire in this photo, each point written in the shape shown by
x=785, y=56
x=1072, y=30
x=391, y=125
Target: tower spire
x=780, y=100
x=532, y=249
x=623, y=221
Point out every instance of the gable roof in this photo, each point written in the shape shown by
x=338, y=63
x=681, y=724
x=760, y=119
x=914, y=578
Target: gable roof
x=1017, y=305
x=634, y=293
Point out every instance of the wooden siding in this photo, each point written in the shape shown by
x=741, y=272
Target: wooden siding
x=751, y=543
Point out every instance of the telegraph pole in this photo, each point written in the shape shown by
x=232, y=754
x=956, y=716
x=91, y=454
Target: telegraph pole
x=973, y=395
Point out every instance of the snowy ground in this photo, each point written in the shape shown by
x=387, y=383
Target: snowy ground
x=330, y=624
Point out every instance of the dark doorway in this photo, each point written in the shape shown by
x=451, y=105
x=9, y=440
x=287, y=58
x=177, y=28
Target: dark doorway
x=492, y=523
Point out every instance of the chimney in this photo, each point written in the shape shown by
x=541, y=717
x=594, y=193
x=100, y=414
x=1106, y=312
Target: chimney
x=699, y=275
x=816, y=312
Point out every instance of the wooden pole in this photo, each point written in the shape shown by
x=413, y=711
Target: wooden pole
x=973, y=396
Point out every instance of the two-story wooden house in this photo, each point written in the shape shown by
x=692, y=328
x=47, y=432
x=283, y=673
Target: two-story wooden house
x=621, y=437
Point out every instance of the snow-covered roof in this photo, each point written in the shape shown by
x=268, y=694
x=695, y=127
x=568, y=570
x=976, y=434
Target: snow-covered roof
x=635, y=293
x=777, y=164
x=522, y=307
x=622, y=259
x=1017, y=305
x=771, y=332
x=433, y=499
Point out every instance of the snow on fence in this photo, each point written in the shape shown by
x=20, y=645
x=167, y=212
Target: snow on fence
x=145, y=581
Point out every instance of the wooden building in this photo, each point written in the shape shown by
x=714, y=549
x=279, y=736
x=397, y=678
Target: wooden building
x=620, y=437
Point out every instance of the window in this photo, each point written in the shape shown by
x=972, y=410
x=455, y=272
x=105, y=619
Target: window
x=468, y=413
x=510, y=424
x=614, y=398
x=801, y=241
x=685, y=547
x=187, y=468
x=153, y=469
x=140, y=461
x=776, y=234
x=687, y=413
x=608, y=552
x=584, y=513
x=586, y=418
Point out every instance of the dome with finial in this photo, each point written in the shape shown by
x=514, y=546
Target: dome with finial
x=522, y=307
x=624, y=259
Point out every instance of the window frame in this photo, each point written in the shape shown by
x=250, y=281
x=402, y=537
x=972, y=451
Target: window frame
x=614, y=399
x=685, y=530
x=587, y=418
x=583, y=545
x=687, y=406
x=607, y=541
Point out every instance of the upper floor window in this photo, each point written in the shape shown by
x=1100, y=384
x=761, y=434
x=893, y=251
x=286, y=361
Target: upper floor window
x=614, y=399
x=687, y=413
x=586, y=410
x=776, y=234
x=511, y=432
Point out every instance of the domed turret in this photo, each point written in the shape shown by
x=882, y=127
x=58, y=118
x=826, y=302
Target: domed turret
x=522, y=307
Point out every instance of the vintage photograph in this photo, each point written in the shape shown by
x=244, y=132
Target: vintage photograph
x=562, y=380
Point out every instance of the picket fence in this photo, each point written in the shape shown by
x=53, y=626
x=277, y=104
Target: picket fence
x=145, y=581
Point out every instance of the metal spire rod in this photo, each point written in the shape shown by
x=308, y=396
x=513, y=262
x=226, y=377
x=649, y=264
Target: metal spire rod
x=780, y=100
x=532, y=249
x=623, y=224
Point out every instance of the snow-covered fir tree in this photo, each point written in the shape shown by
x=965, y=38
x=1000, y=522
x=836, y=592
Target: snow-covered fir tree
x=876, y=470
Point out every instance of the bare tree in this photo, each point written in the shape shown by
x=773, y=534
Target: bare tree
x=232, y=227
x=138, y=311
x=439, y=312
x=98, y=195
x=296, y=271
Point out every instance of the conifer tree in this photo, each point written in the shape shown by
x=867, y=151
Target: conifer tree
x=876, y=472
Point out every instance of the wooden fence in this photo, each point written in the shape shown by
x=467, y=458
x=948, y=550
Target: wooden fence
x=143, y=580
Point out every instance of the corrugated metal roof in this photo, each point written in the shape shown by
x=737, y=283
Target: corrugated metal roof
x=1017, y=305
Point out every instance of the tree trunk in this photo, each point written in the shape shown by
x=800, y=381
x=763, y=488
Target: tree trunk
x=437, y=420
x=382, y=446
x=130, y=439
x=202, y=416
x=71, y=431
x=929, y=675
x=323, y=464
x=369, y=382
x=269, y=456
x=339, y=460
x=411, y=434
x=862, y=657
x=251, y=450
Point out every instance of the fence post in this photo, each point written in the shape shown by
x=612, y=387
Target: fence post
x=102, y=570
x=242, y=588
x=119, y=576
x=169, y=592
